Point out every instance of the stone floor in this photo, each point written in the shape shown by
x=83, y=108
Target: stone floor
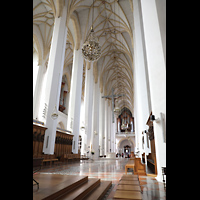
x=109, y=169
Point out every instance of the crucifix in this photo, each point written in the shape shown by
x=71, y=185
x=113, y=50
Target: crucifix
x=112, y=97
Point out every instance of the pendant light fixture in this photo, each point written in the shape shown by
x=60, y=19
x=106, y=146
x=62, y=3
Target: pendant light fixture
x=54, y=114
x=91, y=49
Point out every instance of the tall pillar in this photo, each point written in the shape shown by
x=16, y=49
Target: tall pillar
x=109, y=129
x=141, y=81
x=37, y=92
x=88, y=102
x=106, y=128
x=73, y=122
x=101, y=124
x=153, y=34
x=53, y=82
x=95, y=121
x=113, y=132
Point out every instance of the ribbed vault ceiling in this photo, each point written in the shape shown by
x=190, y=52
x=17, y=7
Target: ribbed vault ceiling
x=113, y=24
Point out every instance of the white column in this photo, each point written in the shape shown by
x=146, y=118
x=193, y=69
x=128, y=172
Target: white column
x=54, y=74
x=106, y=128
x=157, y=75
x=141, y=81
x=115, y=131
x=73, y=122
x=95, y=117
x=101, y=124
x=88, y=102
x=37, y=92
x=113, y=128
x=109, y=128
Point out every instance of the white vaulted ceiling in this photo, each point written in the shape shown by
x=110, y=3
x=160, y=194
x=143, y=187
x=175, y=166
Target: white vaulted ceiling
x=113, y=24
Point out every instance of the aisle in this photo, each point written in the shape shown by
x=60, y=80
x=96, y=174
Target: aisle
x=105, y=169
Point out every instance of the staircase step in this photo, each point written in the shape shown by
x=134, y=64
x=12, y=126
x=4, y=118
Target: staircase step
x=122, y=182
x=54, y=185
x=129, y=179
x=119, y=194
x=129, y=187
x=82, y=191
x=100, y=191
x=130, y=176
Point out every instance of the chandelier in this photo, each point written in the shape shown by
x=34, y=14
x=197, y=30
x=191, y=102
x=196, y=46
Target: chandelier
x=91, y=49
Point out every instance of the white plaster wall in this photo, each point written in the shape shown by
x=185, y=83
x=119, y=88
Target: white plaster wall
x=141, y=92
x=62, y=118
x=157, y=75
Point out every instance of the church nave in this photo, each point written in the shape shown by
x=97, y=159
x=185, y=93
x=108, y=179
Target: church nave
x=99, y=93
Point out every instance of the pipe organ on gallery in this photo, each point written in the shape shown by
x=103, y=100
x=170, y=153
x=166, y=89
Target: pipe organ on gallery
x=126, y=118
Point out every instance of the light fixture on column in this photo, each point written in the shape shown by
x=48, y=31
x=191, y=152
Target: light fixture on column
x=152, y=118
x=91, y=49
x=82, y=128
x=54, y=114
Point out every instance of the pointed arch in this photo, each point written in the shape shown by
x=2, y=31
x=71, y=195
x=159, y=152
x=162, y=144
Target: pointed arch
x=76, y=25
x=133, y=142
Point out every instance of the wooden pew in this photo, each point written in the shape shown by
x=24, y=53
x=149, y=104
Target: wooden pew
x=130, y=164
x=38, y=139
x=49, y=159
x=63, y=143
x=139, y=168
x=151, y=162
x=70, y=157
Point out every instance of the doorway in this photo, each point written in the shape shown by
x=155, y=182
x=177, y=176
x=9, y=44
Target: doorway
x=127, y=151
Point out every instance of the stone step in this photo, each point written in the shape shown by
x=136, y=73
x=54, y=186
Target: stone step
x=100, y=191
x=53, y=186
x=82, y=191
x=126, y=195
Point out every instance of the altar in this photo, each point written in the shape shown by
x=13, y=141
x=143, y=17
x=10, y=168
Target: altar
x=111, y=155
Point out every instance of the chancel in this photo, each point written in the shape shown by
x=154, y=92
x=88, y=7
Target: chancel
x=99, y=107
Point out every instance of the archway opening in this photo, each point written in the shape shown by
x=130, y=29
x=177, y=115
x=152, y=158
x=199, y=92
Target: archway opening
x=125, y=147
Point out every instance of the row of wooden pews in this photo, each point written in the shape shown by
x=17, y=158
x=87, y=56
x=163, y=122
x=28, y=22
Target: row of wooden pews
x=138, y=167
x=128, y=188
x=62, y=149
x=70, y=157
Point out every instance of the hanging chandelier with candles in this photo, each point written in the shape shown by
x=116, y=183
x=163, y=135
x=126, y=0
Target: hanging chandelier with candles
x=91, y=49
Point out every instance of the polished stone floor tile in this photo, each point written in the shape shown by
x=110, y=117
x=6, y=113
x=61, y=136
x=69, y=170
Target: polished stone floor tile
x=111, y=170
